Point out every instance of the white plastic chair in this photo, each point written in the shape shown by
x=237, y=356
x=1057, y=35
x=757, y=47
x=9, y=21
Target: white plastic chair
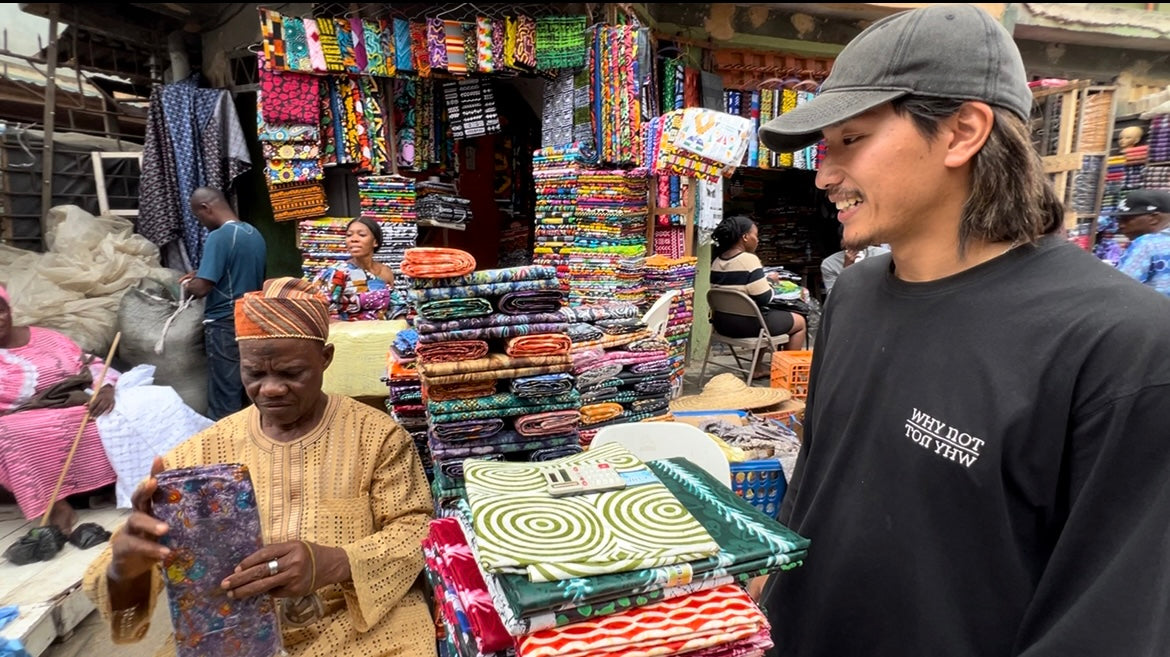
x=662, y=440
x=657, y=317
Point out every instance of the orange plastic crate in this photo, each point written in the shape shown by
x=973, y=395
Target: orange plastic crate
x=790, y=371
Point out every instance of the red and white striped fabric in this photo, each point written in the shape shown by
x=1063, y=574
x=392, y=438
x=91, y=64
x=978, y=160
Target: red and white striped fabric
x=699, y=621
x=34, y=444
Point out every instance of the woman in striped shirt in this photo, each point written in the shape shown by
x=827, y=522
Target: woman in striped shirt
x=737, y=267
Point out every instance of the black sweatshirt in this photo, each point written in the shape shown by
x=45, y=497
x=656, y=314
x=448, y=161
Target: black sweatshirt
x=986, y=466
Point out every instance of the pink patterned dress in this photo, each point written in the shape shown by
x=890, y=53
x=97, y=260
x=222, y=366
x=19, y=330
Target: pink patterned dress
x=35, y=443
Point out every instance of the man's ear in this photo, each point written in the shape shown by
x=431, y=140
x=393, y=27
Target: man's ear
x=327, y=354
x=968, y=130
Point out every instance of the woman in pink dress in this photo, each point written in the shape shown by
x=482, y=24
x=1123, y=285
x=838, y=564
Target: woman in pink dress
x=34, y=442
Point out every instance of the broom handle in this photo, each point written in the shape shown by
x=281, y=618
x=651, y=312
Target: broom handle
x=80, y=430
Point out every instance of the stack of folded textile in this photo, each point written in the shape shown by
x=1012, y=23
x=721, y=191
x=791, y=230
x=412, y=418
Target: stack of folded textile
x=322, y=243
x=439, y=202
x=494, y=357
x=1159, y=139
x=610, y=241
x=663, y=275
x=554, y=171
x=623, y=373
x=406, y=401
x=517, y=571
x=389, y=200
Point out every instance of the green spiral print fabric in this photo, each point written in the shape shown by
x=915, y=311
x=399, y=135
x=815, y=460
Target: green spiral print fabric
x=522, y=528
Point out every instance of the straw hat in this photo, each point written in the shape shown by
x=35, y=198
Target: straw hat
x=727, y=392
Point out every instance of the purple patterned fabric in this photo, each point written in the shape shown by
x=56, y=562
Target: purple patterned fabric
x=214, y=525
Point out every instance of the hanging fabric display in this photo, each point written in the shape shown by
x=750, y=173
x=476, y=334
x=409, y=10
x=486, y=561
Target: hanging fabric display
x=618, y=64
x=272, y=39
x=313, y=38
x=288, y=97
x=420, y=50
x=193, y=139
x=330, y=47
x=296, y=43
x=484, y=55
x=557, y=118
x=361, y=60
x=402, y=49
x=560, y=42
x=471, y=108
x=437, y=43
x=375, y=53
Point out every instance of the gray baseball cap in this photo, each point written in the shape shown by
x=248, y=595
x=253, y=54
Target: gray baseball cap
x=943, y=51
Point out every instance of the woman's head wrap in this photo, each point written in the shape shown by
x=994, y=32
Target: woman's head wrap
x=285, y=308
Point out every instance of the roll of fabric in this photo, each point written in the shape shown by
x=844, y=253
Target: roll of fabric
x=434, y=262
x=649, y=344
x=553, y=453
x=491, y=277
x=620, y=326
x=462, y=390
x=450, y=558
x=459, y=308
x=449, y=352
x=584, y=333
x=419, y=295
x=494, y=332
x=590, y=314
x=653, y=386
x=547, y=424
x=504, y=442
x=649, y=405
x=597, y=374
x=594, y=413
x=598, y=395
x=548, y=344
x=505, y=373
x=610, y=341
x=466, y=429
x=522, y=407
x=492, y=363
x=542, y=386
x=654, y=366
x=501, y=401
x=495, y=319
x=531, y=301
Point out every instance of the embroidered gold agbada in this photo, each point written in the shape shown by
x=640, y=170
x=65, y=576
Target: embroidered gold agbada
x=355, y=482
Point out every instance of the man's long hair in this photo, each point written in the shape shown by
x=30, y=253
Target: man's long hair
x=1011, y=200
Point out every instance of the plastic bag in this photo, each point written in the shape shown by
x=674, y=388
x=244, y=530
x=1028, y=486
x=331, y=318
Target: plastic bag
x=182, y=363
x=75, y=287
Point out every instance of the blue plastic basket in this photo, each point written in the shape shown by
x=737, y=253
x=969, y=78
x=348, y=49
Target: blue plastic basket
x=761, y=483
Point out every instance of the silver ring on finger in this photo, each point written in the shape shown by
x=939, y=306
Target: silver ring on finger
x=273, y=568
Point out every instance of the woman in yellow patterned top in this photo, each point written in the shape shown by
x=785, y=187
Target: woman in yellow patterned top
x=343, y=501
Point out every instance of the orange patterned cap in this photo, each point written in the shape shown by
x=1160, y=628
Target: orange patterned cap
x=285, y=308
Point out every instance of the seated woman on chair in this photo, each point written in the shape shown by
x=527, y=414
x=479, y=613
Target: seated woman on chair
x=736, y=267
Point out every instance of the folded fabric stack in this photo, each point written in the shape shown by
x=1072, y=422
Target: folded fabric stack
x=605, y=258
x=389, y=200
x=494, y=355
x=629, y=384
x=1159, y=139
x=406, y=400
x=554, y=171
x=517, y=571
x=663, y=275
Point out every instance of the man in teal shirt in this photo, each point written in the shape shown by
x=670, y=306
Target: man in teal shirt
x=233, y=263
